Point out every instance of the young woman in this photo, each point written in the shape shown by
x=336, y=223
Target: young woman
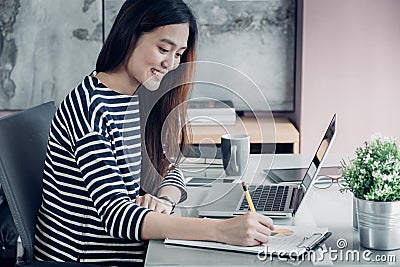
x=92, y=209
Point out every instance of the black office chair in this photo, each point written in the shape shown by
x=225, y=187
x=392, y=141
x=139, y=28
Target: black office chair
x=23, y=144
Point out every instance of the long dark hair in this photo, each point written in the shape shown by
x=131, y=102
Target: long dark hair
x=135, y=18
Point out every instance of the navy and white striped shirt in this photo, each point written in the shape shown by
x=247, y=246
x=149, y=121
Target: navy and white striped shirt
x=91, y=179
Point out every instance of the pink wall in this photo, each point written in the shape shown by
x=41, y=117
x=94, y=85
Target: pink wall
x=351, y=66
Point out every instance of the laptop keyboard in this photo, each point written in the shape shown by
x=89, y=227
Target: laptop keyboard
x=267, y=198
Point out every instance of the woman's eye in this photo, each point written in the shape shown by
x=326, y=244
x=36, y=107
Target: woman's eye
x=178, y=55
x=163, y=50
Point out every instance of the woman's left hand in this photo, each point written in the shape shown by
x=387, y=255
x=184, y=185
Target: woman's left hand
x=153, y=203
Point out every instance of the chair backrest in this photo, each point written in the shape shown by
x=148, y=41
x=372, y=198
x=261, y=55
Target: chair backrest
x=23, y=144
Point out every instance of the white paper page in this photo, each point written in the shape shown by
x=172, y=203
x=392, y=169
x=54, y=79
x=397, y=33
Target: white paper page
x=289, y=239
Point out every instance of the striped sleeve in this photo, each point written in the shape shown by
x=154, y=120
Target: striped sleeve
x=120, y=216
x=175, y=177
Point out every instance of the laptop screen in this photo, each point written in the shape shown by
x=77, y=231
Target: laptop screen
x=319, y=156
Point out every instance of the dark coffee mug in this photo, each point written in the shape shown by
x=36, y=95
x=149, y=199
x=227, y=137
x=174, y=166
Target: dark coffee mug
x=235, y=153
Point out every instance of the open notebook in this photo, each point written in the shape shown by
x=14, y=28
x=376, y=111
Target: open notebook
x=291, y=241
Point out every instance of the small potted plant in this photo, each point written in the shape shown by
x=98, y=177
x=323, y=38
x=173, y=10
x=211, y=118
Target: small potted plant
x=374, y=178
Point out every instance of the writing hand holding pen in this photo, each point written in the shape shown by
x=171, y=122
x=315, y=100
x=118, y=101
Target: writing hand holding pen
x=251, y=229
x=248, y=198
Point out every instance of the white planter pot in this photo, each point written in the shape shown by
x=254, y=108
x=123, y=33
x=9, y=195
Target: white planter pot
x=379, y=224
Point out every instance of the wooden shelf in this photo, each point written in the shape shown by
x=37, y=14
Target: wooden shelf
x=262, y=131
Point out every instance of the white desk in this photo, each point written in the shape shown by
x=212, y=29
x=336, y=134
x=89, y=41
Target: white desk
x=323, y=208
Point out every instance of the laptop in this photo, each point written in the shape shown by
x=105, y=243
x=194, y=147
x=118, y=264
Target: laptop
x=273, y=200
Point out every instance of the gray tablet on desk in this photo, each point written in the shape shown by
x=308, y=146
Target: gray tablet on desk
x=296, y=174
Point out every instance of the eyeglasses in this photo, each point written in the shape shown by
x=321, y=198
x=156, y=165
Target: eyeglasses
x=323, y=182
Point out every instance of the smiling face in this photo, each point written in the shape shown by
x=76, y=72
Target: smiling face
x=156, y=53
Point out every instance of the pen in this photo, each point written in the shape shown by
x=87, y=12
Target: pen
x=248, y=197
x=323, y=239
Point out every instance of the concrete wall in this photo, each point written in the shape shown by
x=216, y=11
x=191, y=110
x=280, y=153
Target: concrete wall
x=351, y=66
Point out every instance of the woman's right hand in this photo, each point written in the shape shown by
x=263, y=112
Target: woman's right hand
x=251, y=229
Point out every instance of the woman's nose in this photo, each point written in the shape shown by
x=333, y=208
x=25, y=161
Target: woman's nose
x=169, y=62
